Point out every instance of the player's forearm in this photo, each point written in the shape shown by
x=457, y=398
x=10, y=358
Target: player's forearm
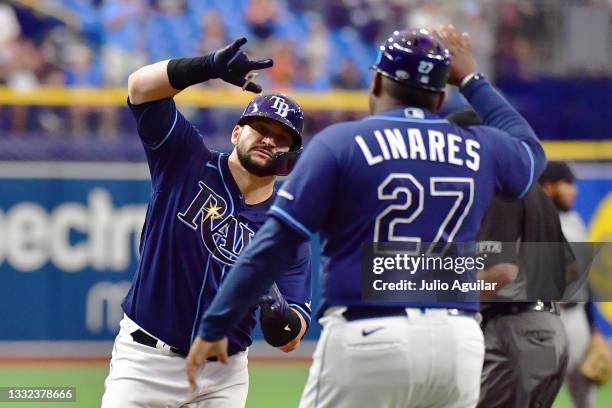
x=167, y=78
x=150, y=83
x=274, y=247
x=496, y=111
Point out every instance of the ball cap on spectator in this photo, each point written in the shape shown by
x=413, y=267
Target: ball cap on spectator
x=557, y=171
x=414, y=58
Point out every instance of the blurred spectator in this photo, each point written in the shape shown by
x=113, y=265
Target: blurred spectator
x=480, y=27
x=9, y=32
x=524, y=35
x=337, y=13
x=83, y=72
x=50, y=119
x=368, y=18
x=214, y=33
x=317, y=49
x=23, y=63
x=261, y=17
x=316, y=45
x=172, y=31
x=123, y=47
x=214, y=36
x=348, y=77
x=429, y=14
x=123, y=44
x=285, y=64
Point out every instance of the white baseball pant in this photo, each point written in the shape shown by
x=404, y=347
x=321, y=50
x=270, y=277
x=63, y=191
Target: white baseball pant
x=424, y=359
x=143, y=376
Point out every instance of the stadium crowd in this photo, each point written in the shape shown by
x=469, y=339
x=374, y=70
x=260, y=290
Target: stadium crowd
x=316, y=45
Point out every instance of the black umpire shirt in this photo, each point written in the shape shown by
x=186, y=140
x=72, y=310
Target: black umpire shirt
x=509, y=227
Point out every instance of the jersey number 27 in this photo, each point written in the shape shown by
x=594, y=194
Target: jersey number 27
x=406, y=210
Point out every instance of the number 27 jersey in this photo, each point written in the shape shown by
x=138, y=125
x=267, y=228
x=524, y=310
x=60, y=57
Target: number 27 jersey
x=396, y=177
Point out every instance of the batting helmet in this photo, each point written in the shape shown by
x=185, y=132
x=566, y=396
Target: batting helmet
x=286, y=111
x=414, y=58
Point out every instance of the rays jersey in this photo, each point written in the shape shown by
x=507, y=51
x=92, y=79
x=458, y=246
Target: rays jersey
x=197, y=224
x=404, y=175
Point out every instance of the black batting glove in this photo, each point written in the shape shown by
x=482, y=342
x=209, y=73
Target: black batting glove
x=232, y=65
x=273, y=304
x=228, y=63
x=279, y=323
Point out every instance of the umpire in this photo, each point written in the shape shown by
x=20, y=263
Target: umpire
x=526, y=344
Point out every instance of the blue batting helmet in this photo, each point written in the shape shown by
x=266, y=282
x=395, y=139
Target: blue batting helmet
x=287, y=112
x=415, y=58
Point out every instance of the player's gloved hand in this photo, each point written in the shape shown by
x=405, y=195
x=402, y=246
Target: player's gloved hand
x=597, y=363
x=273, y=305
x=280, y=325
x=232, y=65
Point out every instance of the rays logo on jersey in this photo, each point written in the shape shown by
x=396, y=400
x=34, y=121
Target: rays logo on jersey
x=224, y=236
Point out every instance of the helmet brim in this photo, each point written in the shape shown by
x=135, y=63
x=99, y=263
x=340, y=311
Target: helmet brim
x=284, y=122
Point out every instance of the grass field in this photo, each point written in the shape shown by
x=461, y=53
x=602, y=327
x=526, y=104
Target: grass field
x=273, y=385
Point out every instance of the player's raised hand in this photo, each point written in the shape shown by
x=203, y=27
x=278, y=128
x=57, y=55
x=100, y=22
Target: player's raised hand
x=463, y=62
x=198, y=353
x=233, y=65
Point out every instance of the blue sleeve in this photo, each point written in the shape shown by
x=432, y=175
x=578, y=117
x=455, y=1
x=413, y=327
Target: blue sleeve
x=263, y=262
x=305, y=199
x=295, y=284
x=519, y=154
x=171, y=143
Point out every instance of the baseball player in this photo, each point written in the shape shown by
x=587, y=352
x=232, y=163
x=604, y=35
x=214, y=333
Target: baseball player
x=205, y=209
x=394, y=176
x=526, y=347
x=559, y=182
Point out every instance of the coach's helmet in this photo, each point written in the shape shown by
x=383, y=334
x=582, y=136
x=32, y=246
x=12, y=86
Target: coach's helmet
x=415, y=58
x=286, y=111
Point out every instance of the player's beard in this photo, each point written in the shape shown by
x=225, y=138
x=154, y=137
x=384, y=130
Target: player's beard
x=244, y=156
x=562, y=205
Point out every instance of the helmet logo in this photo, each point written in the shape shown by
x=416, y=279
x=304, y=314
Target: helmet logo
x=254, y=108
x=425, y=67
x=281, y=106
x=401, y=74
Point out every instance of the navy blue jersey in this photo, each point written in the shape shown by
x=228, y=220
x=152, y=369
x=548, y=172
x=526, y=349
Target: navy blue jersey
x=196, y=226
x=400, y=176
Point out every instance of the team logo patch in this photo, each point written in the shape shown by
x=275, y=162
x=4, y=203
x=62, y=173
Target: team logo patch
x=223, y=235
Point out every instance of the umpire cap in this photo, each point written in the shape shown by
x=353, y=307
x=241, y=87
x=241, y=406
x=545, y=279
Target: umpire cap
x=557, y=171
x=414, y=58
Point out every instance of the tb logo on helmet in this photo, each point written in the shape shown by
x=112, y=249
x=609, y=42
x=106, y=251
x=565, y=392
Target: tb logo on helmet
x=281, y=106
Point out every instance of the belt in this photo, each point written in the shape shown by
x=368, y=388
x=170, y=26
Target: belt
x=141, y=337
x=512, y=308
x=365, y=312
